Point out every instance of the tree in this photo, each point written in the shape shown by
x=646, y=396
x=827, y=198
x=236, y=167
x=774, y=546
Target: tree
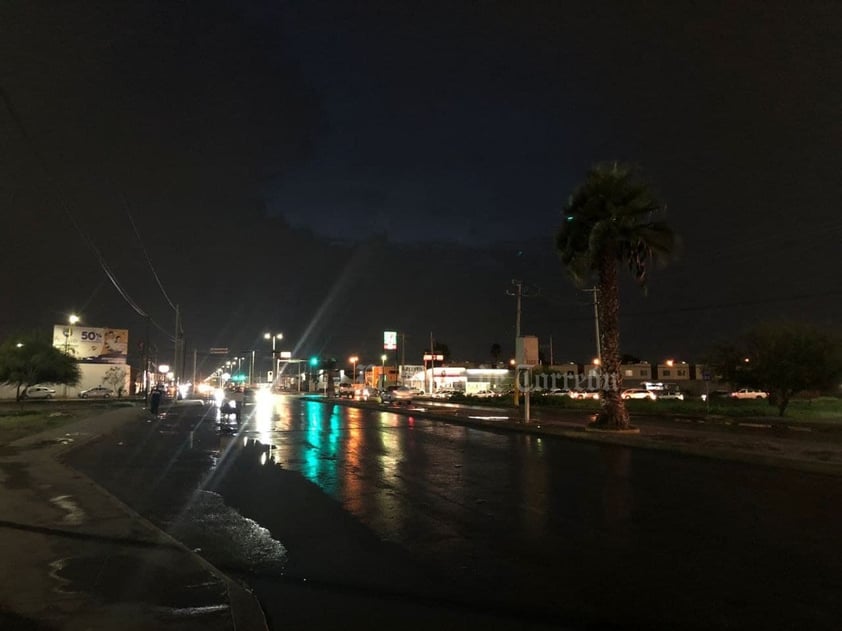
x=612, y=218
x=782, y=358
x=116, y=378
x=30, y=359
x=496, y=349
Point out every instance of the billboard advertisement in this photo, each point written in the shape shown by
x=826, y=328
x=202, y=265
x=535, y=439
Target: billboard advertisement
x=390, y=340
x=89, y=344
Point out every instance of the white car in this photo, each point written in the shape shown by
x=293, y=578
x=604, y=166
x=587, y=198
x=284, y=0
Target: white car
x=749, y=393
x=485, y=394
x=584, y=394
x=39, y=392
x=638, y=393
x=98, y=391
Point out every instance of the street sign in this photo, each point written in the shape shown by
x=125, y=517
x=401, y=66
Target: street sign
x=428, y=357
x=526, y=350
x=218, y=351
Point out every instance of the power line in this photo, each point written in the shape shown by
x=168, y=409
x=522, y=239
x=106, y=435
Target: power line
x=145, y=253
x=65, y=207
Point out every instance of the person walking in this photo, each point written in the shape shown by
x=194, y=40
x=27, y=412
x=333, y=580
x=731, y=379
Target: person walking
x=155, y=400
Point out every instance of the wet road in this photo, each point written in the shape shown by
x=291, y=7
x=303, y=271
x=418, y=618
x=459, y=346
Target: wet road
x=337, y=516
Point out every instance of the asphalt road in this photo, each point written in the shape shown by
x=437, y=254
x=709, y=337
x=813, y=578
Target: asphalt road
x=339, y=516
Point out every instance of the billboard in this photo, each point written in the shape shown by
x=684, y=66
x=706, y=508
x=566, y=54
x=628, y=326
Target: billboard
x=390, y=340
x=94, y=345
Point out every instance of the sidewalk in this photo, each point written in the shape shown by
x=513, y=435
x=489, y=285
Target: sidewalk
x=76, y=558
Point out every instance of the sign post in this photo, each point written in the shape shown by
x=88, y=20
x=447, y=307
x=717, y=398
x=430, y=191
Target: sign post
x=526, y=351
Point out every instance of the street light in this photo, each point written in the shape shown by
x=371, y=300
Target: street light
x=275, y=362
x=354, y=359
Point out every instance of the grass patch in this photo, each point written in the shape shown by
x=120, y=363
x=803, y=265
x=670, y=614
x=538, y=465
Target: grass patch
x=821, y=409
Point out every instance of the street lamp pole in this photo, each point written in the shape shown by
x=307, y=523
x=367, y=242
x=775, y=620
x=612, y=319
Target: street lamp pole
x=383, y=371
x=73, y=319
x=275, y=361
x=354, y=359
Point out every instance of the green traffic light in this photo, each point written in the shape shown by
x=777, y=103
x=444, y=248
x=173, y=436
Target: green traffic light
x=314, y=361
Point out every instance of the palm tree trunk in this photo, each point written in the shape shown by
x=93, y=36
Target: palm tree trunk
x=613, y=413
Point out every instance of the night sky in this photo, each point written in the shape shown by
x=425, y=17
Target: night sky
x=334, y=169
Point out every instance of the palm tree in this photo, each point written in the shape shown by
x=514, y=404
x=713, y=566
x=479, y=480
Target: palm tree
x=612, y=218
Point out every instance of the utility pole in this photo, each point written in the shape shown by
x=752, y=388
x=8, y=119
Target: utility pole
x=432, y=365
x=403, y=356
x=177, y=353
x=519, y=293
x=146, y=364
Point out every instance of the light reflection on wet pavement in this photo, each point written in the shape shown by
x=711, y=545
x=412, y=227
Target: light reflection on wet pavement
x=372, y=506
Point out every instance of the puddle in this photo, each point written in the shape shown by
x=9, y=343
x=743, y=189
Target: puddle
x=74, y=515
x=162, y=579
x=225, y=537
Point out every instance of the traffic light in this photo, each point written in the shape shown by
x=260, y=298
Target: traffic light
x=314, y=361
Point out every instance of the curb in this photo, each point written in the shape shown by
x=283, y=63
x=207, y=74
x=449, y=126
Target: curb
x=246, y=612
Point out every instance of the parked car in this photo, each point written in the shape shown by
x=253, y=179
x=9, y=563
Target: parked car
x=97, y=392
x=559, y=392
x=584, y=394
x=345, y=390
x=445, y=393
x=39, y=392
x=485, y=394
x=749, y=393
x=638, y=393
x=671, y=395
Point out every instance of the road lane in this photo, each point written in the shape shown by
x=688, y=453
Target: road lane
x=408, y=513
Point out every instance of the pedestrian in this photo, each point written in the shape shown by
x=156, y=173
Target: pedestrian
x=155, y=401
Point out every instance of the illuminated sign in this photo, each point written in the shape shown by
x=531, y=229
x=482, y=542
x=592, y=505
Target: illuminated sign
x=286, y=354
x=390, y=340
x=428, y=357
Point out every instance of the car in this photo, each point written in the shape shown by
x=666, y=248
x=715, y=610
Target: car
x=400, y=395
x=445, y=393
x=231, y=401
x=558, y=392
x=39, y=392
x=749, y=393
x=638, y=393
x=97, y=392
x=369, y=393
x=345, y=390
x=485, y=394
x=671, y=395
x=585, y=394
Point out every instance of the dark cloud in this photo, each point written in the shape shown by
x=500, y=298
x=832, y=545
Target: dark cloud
x=333, y=169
